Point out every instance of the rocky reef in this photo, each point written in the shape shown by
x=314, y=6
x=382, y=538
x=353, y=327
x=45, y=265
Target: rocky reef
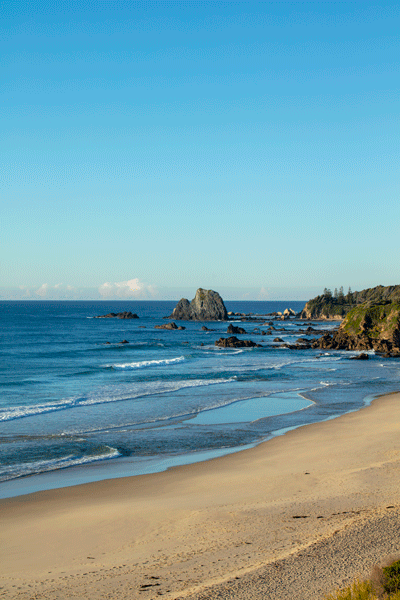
x=232, y=329
x=369, y=326
x=234, y=342
x=207, y=305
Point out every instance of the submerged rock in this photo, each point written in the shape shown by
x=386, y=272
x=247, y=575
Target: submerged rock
x=207, y=305
x=361, y=356
x=297, y=346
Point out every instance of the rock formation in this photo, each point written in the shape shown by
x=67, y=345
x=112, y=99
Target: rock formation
x=169, y=326
x=297, y=346
x=369, y=326
x=121, y=315
x=207, y=305
x=234, y=342
x=361, y=356
x=327, y=307
x=235, y=330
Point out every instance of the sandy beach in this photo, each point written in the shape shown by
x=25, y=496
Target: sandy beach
x=295, y=517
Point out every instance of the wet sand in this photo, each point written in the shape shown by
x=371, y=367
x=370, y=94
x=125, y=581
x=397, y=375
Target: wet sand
x=295, y=517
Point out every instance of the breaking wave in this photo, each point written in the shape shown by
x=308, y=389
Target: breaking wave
x=142, y=364
x=20, y=412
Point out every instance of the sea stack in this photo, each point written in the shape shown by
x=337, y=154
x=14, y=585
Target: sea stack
x=207, y=305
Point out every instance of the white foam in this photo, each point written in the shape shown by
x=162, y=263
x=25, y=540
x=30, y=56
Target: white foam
x=43, y=466
x=108, y=395
x=142, y=364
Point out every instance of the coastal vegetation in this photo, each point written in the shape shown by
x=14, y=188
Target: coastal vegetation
x=384, y=584
x=379, y=320
x=328, y=305
x=367, y=327
x=370, y=319
x=336, y=305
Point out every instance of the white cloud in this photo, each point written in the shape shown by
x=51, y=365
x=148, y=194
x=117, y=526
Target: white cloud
x=264, y=294
x=43, y=290
x=132, y=289
x=59, y=291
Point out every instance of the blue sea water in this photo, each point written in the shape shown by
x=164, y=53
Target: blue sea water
x=76, y=405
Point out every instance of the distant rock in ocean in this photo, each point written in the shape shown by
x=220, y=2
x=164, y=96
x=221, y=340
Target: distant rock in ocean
x=121, y=315
x=235, y=330
x=207, y=305
x=234, y=342
x=169, y=326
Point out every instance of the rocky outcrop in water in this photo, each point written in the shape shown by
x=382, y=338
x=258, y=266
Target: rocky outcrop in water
x=121, y=315
x=234, y=342
x=169, y=326
x=207, y=305
x=300, y=344
x=235, y=330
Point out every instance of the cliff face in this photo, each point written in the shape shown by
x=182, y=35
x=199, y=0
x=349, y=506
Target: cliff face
x=207, y=305
x=368, y=326
x=379, y=322
x=326, y=307
x=322, y=312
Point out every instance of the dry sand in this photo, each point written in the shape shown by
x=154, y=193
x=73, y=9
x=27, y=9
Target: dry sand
x=295, y=517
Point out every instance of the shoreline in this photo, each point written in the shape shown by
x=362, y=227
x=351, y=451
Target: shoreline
x=123, y=466
x=187, y=531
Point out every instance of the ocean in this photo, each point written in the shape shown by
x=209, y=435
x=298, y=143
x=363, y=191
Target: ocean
x=77, y=405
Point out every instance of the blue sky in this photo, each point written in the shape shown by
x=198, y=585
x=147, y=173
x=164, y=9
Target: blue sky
x=151, y=148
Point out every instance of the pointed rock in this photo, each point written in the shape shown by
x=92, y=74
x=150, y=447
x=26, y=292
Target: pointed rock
x=207, y=305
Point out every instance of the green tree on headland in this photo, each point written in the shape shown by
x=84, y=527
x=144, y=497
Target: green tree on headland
x=349, y=296
x=327, y=305
x=337, y=297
